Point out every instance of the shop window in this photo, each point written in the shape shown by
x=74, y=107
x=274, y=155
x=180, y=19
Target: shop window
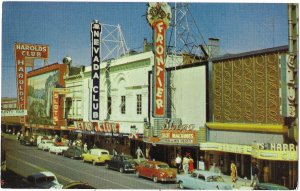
x=123, y=104
x=109, y=105
x=139, y=104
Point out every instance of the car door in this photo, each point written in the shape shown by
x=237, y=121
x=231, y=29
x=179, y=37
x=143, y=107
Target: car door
x=200, y=182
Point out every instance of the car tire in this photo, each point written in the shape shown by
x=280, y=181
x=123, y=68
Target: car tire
x=121, y=170
x=180, y=185
x=137, y=174
x=155, y=179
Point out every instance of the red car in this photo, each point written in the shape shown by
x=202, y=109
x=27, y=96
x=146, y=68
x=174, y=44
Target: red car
x=156, y=170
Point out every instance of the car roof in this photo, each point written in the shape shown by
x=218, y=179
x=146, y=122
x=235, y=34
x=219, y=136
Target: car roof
x=206, y=173
x=99, y=150
x=42, y=174
x=271, y=186
x=155, y=162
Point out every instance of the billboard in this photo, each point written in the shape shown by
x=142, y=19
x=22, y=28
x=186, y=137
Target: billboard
x=25, y=55
x=95, y=38
x=40, y=97
x=159, y=16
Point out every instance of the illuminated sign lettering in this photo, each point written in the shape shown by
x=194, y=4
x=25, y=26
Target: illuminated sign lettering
x=55, y=107
x=22, y=53
x=95, y=35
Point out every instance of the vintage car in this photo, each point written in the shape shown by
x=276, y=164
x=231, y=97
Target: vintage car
x=73, y=152
x=202, y=180
x=43, y=180
x=45, y=144
x=96, y=156
x=78, y=185
x=29, y=141
x=269, y=186
x=156, y=170
x=122, y=163
x=57, y=148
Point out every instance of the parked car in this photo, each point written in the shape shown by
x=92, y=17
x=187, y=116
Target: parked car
x=45, y=144
x=122, y=163
x=78, y=185
x=96, y=156
x=43, y=180
x=203, y=180
x=73, y=152
x=57, y=148
x=269, y=186
x=30, y=141
x=156, y=170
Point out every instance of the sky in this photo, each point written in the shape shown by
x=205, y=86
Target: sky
x=65, y=28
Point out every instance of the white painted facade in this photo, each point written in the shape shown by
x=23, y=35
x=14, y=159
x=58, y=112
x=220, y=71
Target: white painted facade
x=129, y=77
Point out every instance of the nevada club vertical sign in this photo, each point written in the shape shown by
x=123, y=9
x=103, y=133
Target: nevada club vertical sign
x=95, y=38
x=159, y=16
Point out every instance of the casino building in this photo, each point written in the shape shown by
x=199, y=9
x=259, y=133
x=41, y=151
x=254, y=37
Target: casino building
x=247, y=120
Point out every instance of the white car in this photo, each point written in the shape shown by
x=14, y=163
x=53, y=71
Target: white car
x=57, y=149
x=44, y=180
x=203, y=180
x=45, y=144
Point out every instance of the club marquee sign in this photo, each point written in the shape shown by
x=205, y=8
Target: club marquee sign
x=95, y=38
x=159, y=17
x=25, y=55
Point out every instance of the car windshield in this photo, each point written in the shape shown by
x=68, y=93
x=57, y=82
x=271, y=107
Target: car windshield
x=104, y=153
x=49, y=141
x=50, y=178
x=162, y=166
x=215, y=179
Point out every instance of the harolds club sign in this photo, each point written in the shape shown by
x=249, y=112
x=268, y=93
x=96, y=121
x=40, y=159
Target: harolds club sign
x=25, y=55
x=159, y=16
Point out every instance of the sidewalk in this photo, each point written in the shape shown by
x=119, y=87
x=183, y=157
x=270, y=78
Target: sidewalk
x=243, y=184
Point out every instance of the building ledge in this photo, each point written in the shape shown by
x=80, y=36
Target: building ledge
x=252, y=127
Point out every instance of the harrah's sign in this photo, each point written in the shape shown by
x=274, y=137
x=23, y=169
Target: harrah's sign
x=159, y=83
x=95, y=35
x=26, y=53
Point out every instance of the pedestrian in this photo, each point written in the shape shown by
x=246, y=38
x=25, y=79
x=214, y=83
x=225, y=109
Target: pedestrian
x=185, y=164
x=18, y=135
x=266, y=173
x=191, y=164
x=139, y=153
x=233, y=172
x=115, y=153
x=85, y=148
x=255, y=172
x=178, y=161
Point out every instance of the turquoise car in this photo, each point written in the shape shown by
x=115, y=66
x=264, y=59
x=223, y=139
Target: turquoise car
x=269, y=186
x=202, y=180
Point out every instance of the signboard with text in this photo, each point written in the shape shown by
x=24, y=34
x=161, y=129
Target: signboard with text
x=25, y=55
x=95, y=38
x=159, y=16
x=178, y=136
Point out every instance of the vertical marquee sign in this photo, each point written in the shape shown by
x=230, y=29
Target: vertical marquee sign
x=25, y=55
x=95, y=38
x=159, y=17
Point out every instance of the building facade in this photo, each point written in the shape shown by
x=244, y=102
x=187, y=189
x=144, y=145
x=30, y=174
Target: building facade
x=246, y=122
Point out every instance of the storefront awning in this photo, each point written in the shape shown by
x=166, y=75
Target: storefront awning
x=252, y=127
x=277, y=152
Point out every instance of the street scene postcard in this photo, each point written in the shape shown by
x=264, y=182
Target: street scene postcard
x=149, y=95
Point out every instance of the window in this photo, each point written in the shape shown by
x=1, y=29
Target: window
x=139, y=104
x=109, y=105
x=123, y=104
x=78, y=107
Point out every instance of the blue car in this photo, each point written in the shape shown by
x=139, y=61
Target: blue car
x=202, y=180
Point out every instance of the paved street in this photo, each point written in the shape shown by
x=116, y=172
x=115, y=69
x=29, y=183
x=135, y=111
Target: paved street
x=26, y=160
